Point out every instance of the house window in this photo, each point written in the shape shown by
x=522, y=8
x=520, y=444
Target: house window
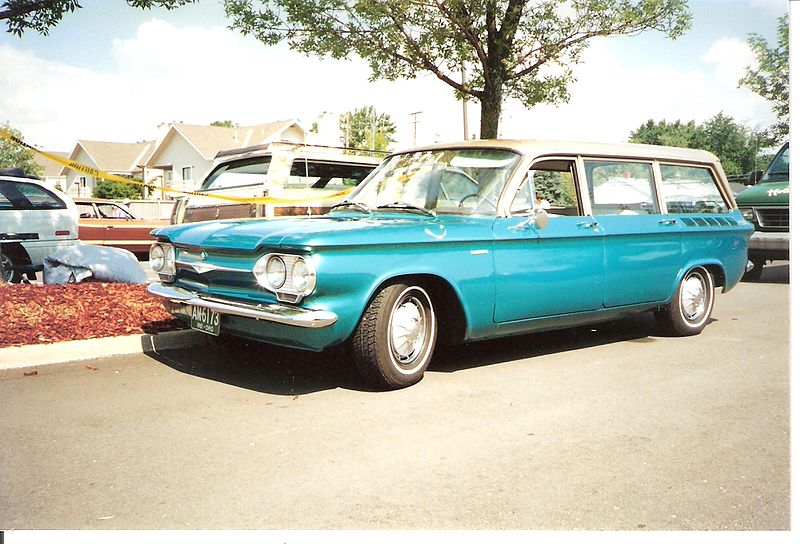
x=186, y=173
x=167, y=175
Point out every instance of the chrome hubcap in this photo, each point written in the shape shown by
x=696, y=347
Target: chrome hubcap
x=693, y=297
x=407, y=330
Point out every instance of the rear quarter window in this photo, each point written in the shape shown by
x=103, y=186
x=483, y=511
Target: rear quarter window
x=27, y=196
x=691, y=189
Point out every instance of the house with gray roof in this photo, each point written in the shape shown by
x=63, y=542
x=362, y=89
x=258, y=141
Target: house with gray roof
x=123, y=159
x=185, y=153
x=51, y=170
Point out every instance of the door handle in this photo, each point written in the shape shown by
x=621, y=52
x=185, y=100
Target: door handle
x=588, y=224
x=668, y=222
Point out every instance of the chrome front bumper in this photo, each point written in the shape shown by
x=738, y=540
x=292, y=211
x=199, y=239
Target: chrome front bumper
x=276, y=313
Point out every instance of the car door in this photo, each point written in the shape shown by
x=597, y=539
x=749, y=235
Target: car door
x=91, y=226
x=642, y=245
x=548, y=270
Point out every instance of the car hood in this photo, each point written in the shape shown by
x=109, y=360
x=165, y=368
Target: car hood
x=321, y=231
x=765, y=194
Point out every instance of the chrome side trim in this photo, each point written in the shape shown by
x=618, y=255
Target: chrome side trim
x=276, y=313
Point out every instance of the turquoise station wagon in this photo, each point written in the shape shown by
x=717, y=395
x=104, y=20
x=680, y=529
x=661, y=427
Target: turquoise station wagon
x=464, y=242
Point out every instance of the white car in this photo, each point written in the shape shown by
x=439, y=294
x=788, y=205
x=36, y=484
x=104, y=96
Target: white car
x=35, y=221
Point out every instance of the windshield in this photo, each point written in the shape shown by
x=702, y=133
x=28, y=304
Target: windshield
x=779, y=167
x=448, y=181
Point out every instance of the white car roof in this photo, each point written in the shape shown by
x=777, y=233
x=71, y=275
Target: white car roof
x=535, y=148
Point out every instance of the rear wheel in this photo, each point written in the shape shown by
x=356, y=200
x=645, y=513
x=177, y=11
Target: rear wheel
x=690, y=308
x=394, y=340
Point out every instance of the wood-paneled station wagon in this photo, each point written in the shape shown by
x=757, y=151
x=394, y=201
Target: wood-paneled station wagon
x=464, y=242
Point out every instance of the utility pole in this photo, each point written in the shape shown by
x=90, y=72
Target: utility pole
x=464, y=101
x=414, y=122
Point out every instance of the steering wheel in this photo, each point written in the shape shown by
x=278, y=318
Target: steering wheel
x=461, y=202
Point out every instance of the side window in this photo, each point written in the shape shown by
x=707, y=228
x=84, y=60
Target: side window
x=620, y=187
x=549, y=185
x=113, y=211
x=40, y=198
x=691, y=189
x=316, y=174
x=86, y=211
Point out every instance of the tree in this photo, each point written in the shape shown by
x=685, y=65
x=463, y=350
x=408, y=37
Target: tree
x=521, y=49
x=42, y=15
x=737, y=146
x=116, y=190
x=770, y=79
x=365, y=128
x=227, y=123
x=675, y=134
x=15, y=156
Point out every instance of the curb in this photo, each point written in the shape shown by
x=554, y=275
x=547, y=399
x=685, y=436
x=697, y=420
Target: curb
x=95, y=348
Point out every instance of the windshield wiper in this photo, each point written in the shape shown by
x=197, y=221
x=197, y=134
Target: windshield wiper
x=407, y=206
x=352, y=204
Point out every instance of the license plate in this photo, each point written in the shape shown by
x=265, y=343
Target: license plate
x=205, y=320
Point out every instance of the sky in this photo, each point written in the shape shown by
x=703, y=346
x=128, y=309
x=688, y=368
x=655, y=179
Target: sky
x=114, y=73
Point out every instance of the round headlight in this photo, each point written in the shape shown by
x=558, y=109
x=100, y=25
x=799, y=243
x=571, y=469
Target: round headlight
x=276, y=272
x=748, y=214
x=156, y=257
x=300, y=275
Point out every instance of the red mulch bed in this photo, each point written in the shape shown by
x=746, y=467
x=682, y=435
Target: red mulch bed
x=38, y=314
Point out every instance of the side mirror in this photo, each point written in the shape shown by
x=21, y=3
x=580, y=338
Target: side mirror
x=540, y=218
x=754, y=177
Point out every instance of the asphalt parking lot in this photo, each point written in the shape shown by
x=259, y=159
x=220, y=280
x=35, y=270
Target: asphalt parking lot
x=610, y=427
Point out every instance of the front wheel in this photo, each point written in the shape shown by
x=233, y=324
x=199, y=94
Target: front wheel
x=394, y=340
x=689, y=310
x=6, y=269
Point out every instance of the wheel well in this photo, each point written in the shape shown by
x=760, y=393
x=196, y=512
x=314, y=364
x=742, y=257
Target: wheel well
x=16, y=252
x=445, y=302
x=717, y=273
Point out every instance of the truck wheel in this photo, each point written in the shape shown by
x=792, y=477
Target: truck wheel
x=755, y=273
x=690, y=308
x=11, y=276
x=394, y=340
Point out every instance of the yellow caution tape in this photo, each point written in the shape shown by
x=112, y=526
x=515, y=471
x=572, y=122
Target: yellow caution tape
x=94, y=172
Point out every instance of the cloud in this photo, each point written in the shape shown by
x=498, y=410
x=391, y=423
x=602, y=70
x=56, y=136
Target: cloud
x=610, y=99
x=198, y=75
x=731, y=57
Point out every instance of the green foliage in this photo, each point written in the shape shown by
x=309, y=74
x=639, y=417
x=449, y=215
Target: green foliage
x=21, y=15
x=770, y=79
x=15, y=156
x=116, y=190
x=365, y=128
x=737, y=146
x=522, y=49
x=227, y=123
x=675, y=134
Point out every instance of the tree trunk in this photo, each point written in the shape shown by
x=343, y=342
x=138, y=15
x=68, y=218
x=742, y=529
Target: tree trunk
x=491, y=107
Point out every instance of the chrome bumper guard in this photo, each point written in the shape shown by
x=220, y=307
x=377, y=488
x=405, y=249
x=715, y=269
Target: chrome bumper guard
x=276, y=313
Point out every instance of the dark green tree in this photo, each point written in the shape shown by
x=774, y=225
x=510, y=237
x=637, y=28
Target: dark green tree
x=770, y=79
x=15, y=156
x=737, y=146
x=675, y=134
x=365, y=128
x=522, y=49
x=42, y=15
x=117, y=190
